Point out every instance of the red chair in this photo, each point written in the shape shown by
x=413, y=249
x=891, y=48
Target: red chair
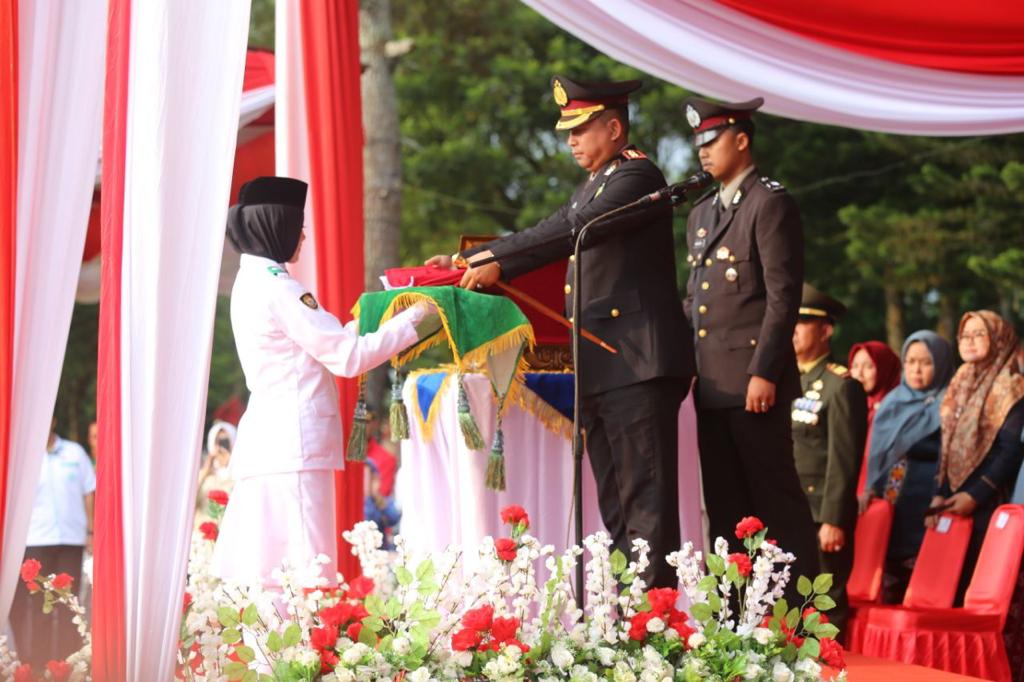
x=934, y=579
x=968, y=640
x=870, y=544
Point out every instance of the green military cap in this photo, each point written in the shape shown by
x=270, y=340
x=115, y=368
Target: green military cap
x=581, y=102
x=816, y=305
x=709, y=119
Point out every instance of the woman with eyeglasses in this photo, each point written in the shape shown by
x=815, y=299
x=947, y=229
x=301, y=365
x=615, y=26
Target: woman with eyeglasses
x=982, y=417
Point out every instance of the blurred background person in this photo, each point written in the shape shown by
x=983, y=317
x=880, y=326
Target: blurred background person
x=59, y=531
x=904, y=451
x=982, y=418
x=215, y=473
x=877, y=368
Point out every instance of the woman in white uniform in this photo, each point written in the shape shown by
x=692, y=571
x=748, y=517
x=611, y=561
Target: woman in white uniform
x=290, y=438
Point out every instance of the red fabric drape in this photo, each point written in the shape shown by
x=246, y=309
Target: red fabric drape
x=981, y=37
x=8, y=227
x=108, y=652
x=330, y=52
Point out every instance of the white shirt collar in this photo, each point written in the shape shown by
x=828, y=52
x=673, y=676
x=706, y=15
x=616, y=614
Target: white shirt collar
x=257, y=261
x=727, y=192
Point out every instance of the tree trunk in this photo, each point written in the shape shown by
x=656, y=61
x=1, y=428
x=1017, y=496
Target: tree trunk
x=894, y=330
x=382, y=162
x=948, y=315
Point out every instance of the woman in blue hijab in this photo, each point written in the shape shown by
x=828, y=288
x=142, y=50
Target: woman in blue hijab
x=904, y=450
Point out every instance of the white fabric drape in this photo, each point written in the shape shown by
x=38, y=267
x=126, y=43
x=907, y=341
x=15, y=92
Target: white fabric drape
x=291, y=130
x=717, y=51
x=441, y=489
x=184, y=86
x=60, y=102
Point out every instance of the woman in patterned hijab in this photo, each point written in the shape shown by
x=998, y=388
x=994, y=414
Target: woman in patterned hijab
x=982, y=416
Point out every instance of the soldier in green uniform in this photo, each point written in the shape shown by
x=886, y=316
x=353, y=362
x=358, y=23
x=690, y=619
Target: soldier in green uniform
x=829, y=428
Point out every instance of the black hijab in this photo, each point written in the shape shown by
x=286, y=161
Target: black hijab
x=267, y=220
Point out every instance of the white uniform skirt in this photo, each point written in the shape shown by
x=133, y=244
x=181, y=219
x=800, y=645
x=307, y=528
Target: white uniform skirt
x=276, y=517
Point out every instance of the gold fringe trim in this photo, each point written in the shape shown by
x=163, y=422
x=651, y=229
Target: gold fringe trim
x=426, y=423
x=551, y=418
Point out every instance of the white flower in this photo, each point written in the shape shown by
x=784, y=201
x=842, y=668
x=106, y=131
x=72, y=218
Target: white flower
x=763, y=635
x=671, y=634
x=355, y=654
x=464, y=658
x=623, y=673
x=605, y=656
x=655, y=625
x=561, y=656
x=401, y=646
x=781, y=673
x=419, y=675
x=343, y=675
x=696, y=639
x=808, y=667
x=752, y=672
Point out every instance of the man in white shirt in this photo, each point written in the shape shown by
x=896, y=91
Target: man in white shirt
x=59, y=531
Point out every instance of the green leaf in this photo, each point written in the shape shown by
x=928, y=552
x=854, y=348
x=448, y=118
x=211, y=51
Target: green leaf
x=292, y=635
x=430, y=620
x=246, y=654
x=425, y=570
x=250, y=676
x=368, y=636
x=810, y=648
x=823, y=583
x=627, y=577
x=393, y=609
x=250, y=615
x=265, y=678
x=235, y=670
x=732, y=574
x=792, y=618
x=811, y=621
x=373, y=623
x=618, y=562
x=780, y=609
x=804, y=587
x=701, y=611
x=404, y=576
x=826, y=631
x=708, y=583
x=274, y=641
x=374, y=605
x=789, y=654
x=715, y=602
x=231, y=635
x=227, y=616
x=716, y=564
x=823, y=602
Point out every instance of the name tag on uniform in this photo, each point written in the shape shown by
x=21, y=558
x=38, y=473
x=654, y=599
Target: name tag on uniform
x=945, y=523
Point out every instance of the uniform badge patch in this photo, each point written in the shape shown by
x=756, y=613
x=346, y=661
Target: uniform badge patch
x=837, y=369
x=310, y=302
x=276, y=270
x=633, y=154
x=737, y=197
x=702, y=232
x=599, y=190
x=722, y=253
x=731, y=275
x=771, y=185
x=611, y=168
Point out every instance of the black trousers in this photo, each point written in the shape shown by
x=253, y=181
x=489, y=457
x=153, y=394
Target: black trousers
x=632, y=440
x=840, y=565
x=747, y=468
x=39, y=637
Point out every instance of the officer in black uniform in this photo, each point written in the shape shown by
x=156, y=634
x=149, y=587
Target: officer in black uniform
x=829, y=428
x=746, y=267
x=629, y=299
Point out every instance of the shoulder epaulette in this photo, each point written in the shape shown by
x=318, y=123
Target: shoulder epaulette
x=633, y=154
x=771, y=185
x=837, y=369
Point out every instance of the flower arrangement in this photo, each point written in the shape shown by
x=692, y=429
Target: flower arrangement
x=486, y=614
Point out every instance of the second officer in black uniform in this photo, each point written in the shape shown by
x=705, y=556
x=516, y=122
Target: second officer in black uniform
x=746, y=268
x=630, y=400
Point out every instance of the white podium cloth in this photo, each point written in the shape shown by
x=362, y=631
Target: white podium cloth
x=440, y=484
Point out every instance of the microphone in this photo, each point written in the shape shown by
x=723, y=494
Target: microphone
x=698, y=180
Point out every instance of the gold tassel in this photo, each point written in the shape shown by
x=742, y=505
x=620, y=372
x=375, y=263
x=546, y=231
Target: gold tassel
x=399, y=417
x=358, y=439
x=470, y=431
x=496, y=462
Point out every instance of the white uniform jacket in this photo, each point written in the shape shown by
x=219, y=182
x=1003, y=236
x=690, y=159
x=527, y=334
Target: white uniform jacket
x=289, y=348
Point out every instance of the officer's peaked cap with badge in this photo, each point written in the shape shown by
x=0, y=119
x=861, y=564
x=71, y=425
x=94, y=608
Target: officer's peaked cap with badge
x=710, y=119
x=580, y=102
x=817, y=305
x=267, y=220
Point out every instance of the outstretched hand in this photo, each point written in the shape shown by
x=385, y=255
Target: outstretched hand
x=441, y=261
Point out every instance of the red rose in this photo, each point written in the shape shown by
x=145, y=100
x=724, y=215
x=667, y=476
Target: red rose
x=514, y=515
x=742, y=562
x=638, y=625
x=30, y=569
x=328, y=659
x=465, y=639
x=196, y=658
x=479, y=619
x=832, y=653
x=683, y=628
x=359, y=588
x=337, y=615
x=359, y=612
x=23, y=673
x=59, y=670
x=662, y=599
x=61, y=581
x=772, y=541
x=218, y=496
x=186, y=602
x=748, y=527
x=353, y=630
x=323, y=638
x=209, y=530
x=822, y=618
x=504, y=630
x=506, y=549
x=33, y=587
